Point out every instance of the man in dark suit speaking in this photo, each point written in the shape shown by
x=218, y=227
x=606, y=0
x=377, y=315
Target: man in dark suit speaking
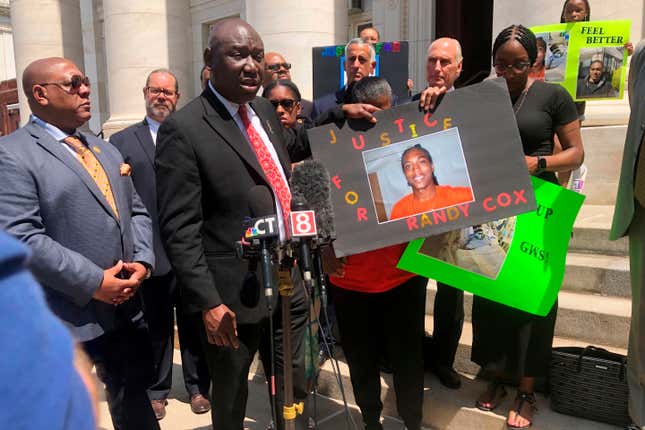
x=66, y=194
x=207, y=163
x=160, y=293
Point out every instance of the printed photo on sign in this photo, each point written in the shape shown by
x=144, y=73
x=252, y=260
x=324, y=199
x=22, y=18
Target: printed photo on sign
x=599, y=72
x=418, y=176
x=479, y=249
x=556, y=47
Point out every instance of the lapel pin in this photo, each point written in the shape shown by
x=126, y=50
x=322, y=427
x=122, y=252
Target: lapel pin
x=269, y=127
x=96, y=149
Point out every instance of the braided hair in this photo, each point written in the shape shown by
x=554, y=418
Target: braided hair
x=282, y=83
x=425, y=152
x=522, y=35
x=564, y=9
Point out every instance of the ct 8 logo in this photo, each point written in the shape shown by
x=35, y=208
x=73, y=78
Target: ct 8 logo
x=303, y=223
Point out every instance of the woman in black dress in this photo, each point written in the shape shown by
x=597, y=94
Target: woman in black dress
x=508, y=342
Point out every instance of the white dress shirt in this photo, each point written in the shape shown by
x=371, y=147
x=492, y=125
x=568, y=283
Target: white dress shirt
x=153, y=126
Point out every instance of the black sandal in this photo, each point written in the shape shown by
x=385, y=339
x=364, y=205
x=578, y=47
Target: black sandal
x=522, y=398
x=497, y=392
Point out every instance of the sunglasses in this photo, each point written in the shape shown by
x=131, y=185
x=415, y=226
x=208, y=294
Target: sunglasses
x=277, y=66
x=155, y=91
x=287, y=104
x=74, y=84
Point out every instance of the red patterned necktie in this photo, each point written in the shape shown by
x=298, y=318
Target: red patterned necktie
x=270, y=168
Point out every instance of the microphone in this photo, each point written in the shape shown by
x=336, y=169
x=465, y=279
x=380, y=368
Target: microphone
x=303, y=228
x=310, y=180
x=261, y=231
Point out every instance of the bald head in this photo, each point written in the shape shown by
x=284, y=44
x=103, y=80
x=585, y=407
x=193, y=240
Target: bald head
x=444, y=61
x=57, y=92
x=275, y=67
x=236, y=55
x=41, y=71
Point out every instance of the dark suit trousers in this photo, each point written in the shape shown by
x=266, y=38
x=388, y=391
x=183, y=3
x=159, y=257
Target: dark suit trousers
x=299, y=320
x=448, y=316
x=229, y=369
x=124, y=363
x=160, y=299
x=394, y=320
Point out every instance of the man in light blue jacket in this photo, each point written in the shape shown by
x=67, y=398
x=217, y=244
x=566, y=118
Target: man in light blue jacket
x=69, y=197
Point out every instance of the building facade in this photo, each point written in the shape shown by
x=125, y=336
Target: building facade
x=118, y=42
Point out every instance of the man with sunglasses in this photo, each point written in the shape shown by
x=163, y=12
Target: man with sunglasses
x=161, y=293
x=276, y=67
x=67, y=195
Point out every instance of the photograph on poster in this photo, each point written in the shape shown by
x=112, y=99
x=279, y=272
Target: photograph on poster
x=418, y=175
x=599, y=72
x=479, y=249
x=555, y=56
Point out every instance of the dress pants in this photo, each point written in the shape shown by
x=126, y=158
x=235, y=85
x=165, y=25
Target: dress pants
x=123, y=361
x=636, y=348
x=161, y=296
x=229, y=369
x=448, y=316
x=299, y=320
x=394, y=320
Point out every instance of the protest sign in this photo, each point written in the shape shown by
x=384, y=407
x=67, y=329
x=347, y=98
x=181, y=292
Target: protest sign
x=586, y=58
x=518, y=261
x=474, y=169
x=391, y=63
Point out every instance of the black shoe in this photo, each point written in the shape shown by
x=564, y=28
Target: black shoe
x=632, y=427
x=448, y=377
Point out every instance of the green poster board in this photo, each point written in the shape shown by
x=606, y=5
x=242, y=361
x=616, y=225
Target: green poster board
x=522, y=269
x=586, y=58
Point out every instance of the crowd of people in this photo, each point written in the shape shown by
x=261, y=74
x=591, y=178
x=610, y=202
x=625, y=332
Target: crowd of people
x=129, y=235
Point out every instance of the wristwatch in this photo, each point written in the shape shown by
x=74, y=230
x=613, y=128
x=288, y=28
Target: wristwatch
x=541, y=165
x=148, y=269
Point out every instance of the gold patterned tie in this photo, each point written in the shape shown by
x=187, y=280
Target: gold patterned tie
x=639, y=177
x=94, y=168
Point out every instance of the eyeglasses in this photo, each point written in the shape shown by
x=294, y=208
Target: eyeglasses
x=277, y=66
x=74, y=84
x=287, y=104
x=519, y=67
x=155, y=91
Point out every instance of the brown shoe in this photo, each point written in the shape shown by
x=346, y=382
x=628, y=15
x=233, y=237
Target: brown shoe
x=159, y=407
x=199, y=404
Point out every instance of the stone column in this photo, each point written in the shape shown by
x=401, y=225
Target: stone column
x=44, y=28
x=140, y=36
x=293, y=27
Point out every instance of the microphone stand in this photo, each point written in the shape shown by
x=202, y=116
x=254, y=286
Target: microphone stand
x=285, y=287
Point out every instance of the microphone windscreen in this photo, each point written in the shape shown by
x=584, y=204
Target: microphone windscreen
x=261, y=201
x=310, y=180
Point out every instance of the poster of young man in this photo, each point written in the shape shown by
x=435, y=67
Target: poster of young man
x=416, y=174
x=587, y=58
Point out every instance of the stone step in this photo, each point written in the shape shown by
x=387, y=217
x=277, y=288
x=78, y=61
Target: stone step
x=603, y=156
x=605, y=275
x=584, y=317
x=467, y=367
x=591, y=232
x=451, y=409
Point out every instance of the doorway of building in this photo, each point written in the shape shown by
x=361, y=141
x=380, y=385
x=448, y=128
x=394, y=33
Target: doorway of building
x=470, y=22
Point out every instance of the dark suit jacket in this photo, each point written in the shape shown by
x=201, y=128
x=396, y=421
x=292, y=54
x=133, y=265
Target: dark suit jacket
x=138, y=150
x=327, y=102
x=50, y=202
x=205, y=170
